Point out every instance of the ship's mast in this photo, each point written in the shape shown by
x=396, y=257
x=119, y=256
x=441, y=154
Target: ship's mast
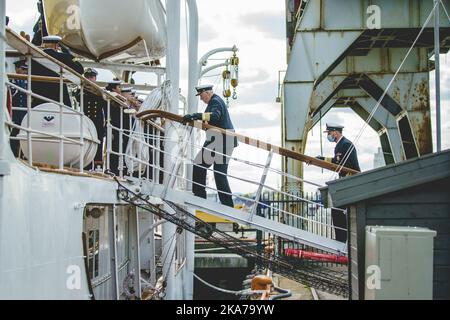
x=192, y=107
x=438, y=76
x=173, y=73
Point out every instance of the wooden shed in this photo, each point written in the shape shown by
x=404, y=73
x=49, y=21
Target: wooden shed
x=414, y=193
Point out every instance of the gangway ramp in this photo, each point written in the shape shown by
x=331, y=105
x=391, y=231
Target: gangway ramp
x=245, y=218
x=168, y=190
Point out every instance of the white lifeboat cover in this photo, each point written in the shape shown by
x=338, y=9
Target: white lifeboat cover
x=45, y=118
x=101, y=29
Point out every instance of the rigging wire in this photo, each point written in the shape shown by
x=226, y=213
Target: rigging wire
x=297, y=270
x=445, y=10
x=167, y=253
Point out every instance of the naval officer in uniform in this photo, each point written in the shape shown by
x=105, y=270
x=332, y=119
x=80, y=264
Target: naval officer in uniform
x=94, y=108
x=116, y=112
x=50, y=90
x=344, y=155
x=216, y=114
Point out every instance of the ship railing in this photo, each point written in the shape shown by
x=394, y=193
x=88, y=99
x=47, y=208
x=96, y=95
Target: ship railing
x=63, y=109
x=66, y=76
x=176, y=178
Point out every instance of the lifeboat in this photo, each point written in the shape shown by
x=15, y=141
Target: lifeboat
x=109, y=29
x=45, y=119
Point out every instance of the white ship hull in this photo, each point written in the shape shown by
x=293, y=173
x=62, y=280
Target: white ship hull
x=43, y=218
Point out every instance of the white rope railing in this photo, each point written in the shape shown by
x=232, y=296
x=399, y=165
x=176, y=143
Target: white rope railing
x=257, y=183
x=173, y=174
x=243, y=161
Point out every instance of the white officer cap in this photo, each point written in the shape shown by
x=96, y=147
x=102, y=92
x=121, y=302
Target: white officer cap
x=202, y=88
x=334, y=127
x=127, y=89
x=51, y=39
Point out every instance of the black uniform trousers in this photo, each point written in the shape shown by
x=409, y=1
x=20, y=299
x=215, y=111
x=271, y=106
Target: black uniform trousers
x=339, y=221
x=204, y=160
x=94, y=108
x=340, y=153
x=115, y=121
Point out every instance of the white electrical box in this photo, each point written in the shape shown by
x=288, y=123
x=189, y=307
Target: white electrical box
x=399, y=263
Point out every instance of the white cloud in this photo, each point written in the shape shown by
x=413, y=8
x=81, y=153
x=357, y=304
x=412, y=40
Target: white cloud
x=251, y=76
x=22, y=14
x=269, y=24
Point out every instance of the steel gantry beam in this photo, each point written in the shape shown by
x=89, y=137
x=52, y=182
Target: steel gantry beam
x=390, y=128
x=330, y=41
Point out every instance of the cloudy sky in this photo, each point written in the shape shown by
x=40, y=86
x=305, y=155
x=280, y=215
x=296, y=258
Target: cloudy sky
x=257, y=28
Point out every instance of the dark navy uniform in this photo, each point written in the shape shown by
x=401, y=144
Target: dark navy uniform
x=340, y=152
x=51, y=90
x=219, y=113
x=342, y=158
x=19, y=100
x=114, y=118
x=95, y=109
x=220, y=117
x=216, y=114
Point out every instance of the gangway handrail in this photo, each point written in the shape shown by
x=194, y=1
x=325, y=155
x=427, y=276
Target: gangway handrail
x=247, y=140
x=16, y=76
